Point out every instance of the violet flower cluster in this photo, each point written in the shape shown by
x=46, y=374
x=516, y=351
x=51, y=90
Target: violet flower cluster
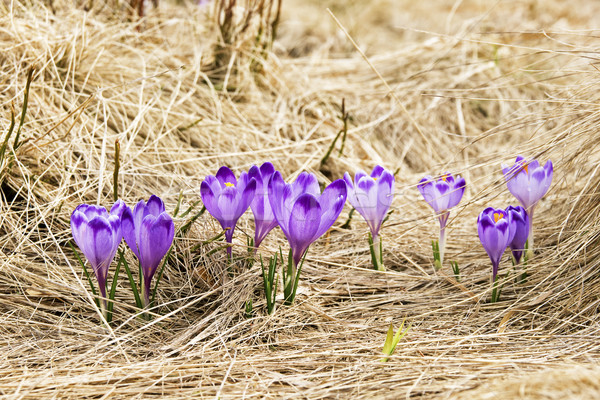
x=499, y=229
x=148, y=230
x=528, y=182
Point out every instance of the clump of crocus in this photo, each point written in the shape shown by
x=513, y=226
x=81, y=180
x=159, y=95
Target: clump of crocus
x=227, y=198
x=304, y=215
x=528, y=181
x=496, y=230
x=442, y=194
x=264, y=220
x=148, y=231
x=372, y=197
x=98, y=235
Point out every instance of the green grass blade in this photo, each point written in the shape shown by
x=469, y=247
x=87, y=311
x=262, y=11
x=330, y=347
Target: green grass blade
x=134, y=288
x=160, y=274
x=111, y=295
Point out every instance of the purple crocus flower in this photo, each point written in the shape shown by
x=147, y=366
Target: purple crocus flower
x=496, y=229
x=148, y=231
x=227, y=198
x=521, y=220
x=372, y=197
x=442, y=194
x=528, y=182
x=98, y=235
x=303, y=213
x=264, y=220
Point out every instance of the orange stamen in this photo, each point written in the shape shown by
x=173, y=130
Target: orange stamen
x=229, y=184
x=498, y=217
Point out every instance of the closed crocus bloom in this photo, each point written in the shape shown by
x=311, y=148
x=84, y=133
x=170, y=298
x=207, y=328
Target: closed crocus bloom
x=303, y=213
x=264, y=219
x=148, y=231
x=496, y=230
x=442, y=194
x=227, y=198
x=98, y=234
x=372, y=197
x=521, y=220
x=528, y=182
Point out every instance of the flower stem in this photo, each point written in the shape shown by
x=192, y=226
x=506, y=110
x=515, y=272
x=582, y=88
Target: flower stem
x=442, y=246
x=530, y=236
x=376, y=253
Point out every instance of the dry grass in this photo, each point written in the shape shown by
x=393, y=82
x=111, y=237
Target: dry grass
x=480, y=87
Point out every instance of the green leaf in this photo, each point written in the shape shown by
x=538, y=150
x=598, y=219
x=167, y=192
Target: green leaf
x=111, y=295
x=160, y=274
x=387, y=346
x=134, y=288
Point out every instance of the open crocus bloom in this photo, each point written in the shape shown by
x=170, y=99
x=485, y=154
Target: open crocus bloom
x=496, y=230
x=371, y=195
x=148, y=231
x=264, y=220
x=303, y=213
x=98, y=234
x=528, y=182
x=521, y=220
x=442, y=194
x=227, y=198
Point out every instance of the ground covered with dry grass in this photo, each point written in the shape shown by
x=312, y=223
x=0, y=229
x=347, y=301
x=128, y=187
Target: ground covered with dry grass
x=457, y=86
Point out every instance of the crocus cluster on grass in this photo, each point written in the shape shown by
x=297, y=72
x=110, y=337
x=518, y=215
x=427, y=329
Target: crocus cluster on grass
x=372, y=197
x=304, y=215
x=98, y=234
x=299, y=208
x=528, y=182
x=513, y=227
x=442, y=194
x=148, y=230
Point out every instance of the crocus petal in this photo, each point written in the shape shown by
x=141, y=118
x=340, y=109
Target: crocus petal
x=224, y=175
x=156, y=239
x=118, y=208
x=267, y=169
x=305, y=183
x=155, y=206
x=100, y=248
x=280, y=199
x=521, y=222
x=303, y=224
x=331, y=204
x=128, y=229
x=385, y=195
x=456, y=192
x=246, y=196
x=227, y=204
x=349, y=184
x=377, y=171
x=79, y=222
x=365, y=201
x=442, y=195
x=209, y=199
